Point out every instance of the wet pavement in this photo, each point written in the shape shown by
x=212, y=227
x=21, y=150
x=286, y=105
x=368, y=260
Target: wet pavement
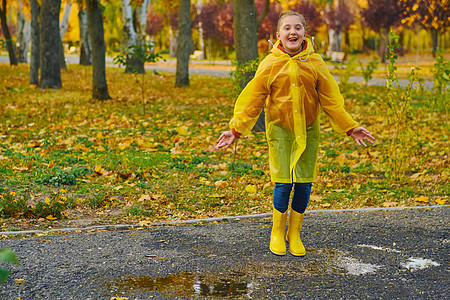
x=401, y=254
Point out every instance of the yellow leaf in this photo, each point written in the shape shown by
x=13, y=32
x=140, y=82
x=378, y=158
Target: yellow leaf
x=145, y=223
x=217, y=196
x=182, y=130
x=99, y=135
x=250, y=189
x=97, y=168
x=329, y=185
x=440, y=201
x=50, y=217
x=422, y=199
x=119, y=298
x=221, y=183
x=325, y=204
x=118, y=187
x=47, y=200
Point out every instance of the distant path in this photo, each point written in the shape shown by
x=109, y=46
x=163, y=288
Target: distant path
x=220, y=69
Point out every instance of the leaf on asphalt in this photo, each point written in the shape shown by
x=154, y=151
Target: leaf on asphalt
x=119, y=298
x=8, y=255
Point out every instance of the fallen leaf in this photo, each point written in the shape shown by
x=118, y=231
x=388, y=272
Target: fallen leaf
x=250, y=189
x=144, y=198
x=97, y=168
x=47, y=200
x=182, y=130
x=389, y=204
x=221, y=183
x=440, y=201
x=329, y=185
x=217, y=196
x=422, y=199
x=145, y=223
x=51, y=218
x=325, y=204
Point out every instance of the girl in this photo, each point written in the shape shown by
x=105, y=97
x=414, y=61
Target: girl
x=293, y=83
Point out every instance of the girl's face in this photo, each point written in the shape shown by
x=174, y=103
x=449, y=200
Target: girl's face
x=291, y=34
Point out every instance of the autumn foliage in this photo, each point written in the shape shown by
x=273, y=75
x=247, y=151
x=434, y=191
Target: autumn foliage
x=64, y=156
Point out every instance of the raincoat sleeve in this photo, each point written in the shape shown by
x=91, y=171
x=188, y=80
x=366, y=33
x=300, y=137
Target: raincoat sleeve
x=332, y=101
x=251, y=101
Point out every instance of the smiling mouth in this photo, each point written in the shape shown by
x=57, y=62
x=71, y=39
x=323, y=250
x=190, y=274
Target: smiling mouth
x=292, y=39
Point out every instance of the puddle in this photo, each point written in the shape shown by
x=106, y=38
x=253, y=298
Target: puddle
x=244, y=279
x=187, y=284
x=414, y=264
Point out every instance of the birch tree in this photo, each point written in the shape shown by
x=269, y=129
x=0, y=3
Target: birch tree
x=85, y=42
x=23, y=33
x=134, y=25
x=62, y=31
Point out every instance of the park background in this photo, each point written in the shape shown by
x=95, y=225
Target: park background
x=143, y=148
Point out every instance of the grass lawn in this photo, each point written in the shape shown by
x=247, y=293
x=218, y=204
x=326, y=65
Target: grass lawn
x=68, y=160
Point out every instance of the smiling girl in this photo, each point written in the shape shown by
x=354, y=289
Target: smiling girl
x=293, y=84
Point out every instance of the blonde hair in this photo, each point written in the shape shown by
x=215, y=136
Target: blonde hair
x=285, y=14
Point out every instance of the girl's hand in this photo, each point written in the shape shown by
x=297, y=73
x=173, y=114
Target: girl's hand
x=225, y=140
x=359, y=134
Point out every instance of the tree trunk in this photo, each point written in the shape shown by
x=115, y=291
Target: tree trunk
x=85, y=42
x=173, y=38
x=49, y=44
x=34, y=51
x=131, y=37
x=246, y=42
x=184, y=43
x=435, y=40
x=382, y=50
x=200, y=30
x=23, y=36
x=62, y=32
x=9, y=44
x=96, y=35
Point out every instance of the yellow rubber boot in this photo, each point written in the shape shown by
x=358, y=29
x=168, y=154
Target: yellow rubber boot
x=277, y=243
x=296, y=247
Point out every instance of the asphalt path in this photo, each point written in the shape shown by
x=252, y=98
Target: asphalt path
x=401, y=254
x=201, y=68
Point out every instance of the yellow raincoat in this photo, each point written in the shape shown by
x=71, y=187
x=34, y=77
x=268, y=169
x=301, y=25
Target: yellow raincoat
x=292, y=89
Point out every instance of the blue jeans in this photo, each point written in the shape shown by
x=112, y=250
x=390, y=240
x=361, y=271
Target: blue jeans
x=282, y=193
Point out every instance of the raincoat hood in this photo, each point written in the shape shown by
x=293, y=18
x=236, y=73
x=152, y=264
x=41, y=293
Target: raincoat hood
x=303, y=55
